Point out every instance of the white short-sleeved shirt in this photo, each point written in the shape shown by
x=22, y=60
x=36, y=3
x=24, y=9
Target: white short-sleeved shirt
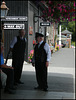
x=47, y=49
x=48, y=52
x=14, y=41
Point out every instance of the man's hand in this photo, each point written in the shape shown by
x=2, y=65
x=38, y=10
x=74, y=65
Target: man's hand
x=5, y=66
x=33, y=64
x=0, y=70
x=10, y=67
x=47, y=64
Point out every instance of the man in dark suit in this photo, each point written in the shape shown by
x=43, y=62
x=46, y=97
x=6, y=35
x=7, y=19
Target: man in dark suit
x=41, y=60
x=17, y=47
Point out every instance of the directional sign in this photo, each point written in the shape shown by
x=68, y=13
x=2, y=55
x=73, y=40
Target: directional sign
x=45, y=24
x=15, y=18
x=13, y=26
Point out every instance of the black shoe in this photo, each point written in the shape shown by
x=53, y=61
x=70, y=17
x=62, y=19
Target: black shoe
x=45, y=89
x=13, y=88
x=38, y=88
x=15, y=83
x=19, y=82
x=9, y=91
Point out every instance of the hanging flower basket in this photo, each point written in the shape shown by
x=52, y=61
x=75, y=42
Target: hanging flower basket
x=59, y=10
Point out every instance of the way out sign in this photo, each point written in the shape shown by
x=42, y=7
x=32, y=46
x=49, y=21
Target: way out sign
x=45, y=24
x=13, y=26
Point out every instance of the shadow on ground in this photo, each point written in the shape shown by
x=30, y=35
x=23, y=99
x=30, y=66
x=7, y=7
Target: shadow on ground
x=56, y=82
x=60, y=87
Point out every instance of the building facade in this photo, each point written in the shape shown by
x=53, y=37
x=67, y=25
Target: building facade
x=21, y=15
x=68, y=34
x=51, y=32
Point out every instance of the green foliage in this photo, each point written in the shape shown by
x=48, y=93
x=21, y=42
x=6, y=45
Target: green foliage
x=55, y=38
x=73, y=43
x=57, y=47
x=71, y=28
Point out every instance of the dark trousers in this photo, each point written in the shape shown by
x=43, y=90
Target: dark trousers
x=17, y=63
x=41, y=74
x=10, y=77
x=0, y=82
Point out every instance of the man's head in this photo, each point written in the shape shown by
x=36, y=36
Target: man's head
x=21, y=32
x=39, y=37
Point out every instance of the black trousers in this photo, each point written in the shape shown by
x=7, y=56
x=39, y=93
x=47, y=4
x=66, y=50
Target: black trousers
x=10, y=77
x=41, y=74
x=17, y=64
x=0, y=82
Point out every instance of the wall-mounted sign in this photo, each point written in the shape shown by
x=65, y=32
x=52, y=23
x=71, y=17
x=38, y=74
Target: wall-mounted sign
x=15, y=18
x=13, y=26
x=45, y=24
x=34, y=42
x=30, y=30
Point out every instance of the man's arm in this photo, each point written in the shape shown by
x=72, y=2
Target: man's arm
x=25, y=40
x=33, y=60
x=13, y=43
x=7, y=56
x=11, y=48
x=48, y=52
x=5, y=66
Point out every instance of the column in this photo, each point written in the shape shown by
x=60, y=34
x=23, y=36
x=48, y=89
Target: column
x=60, y=35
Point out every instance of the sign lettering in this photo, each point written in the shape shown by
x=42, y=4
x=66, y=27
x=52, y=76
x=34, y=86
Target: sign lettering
x=15, y=18
x=45, y=24
x=13, y=26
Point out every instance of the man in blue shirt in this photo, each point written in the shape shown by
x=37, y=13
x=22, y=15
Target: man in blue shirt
x=3, y=79
x=8, y=71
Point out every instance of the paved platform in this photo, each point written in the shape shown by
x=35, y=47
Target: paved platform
x=61, y=79
x=31, y=94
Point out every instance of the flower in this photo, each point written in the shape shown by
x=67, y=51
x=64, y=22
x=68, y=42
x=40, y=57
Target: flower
x=49, y=10
x=49, y=2
x=32, y=51
x=64, y=6
x=58, y=10
x=31, y=55
x=63, y=19
x=51, y=15
x=74, y=4
x=73, y=19
x=53, y=10
x=57, y=47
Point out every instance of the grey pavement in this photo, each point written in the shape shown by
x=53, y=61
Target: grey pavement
x=61, y=78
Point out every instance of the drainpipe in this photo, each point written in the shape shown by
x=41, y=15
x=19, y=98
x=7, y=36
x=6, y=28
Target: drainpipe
x=53, y=33
x=60, y=35
x=38, y=18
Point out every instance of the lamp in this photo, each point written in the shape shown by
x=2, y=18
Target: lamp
x=36, y=18
x=4, y=10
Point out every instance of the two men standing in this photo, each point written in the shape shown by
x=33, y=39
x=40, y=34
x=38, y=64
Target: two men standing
x=41, y=60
